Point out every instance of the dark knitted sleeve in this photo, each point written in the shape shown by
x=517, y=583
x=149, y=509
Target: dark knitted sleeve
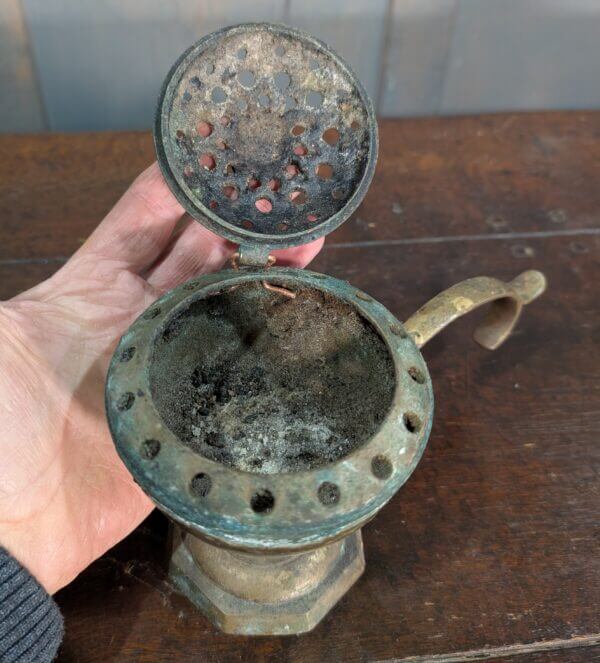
x=31, y=626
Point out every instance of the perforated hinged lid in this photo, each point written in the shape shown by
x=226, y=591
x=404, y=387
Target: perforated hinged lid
x=265, y=136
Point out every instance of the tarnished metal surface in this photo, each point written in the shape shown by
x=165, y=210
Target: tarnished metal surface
x=265, y=135
x=267, y=138
x=367, y=477
x=507, y=301
x=252, y=594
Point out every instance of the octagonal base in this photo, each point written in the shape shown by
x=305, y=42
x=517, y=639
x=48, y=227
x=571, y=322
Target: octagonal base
x=274, y=594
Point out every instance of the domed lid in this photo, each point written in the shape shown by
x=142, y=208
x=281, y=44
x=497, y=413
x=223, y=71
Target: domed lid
x=265, y=135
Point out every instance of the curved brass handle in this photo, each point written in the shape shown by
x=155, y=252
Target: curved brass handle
x=507, y=301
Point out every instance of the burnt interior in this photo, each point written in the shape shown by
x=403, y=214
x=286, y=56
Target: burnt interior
x=266, y=383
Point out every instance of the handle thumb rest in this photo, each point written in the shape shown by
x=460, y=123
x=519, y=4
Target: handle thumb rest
x=506, y=302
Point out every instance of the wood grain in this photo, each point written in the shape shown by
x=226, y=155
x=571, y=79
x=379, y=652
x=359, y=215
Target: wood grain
x=489, y=551
x=437, y=178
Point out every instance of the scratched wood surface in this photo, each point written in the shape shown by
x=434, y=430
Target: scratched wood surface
x=490, y=551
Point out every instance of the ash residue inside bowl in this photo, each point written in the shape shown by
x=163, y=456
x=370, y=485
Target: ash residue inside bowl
x=268, y=384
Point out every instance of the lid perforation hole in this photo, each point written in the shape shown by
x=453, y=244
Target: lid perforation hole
x=291, y=171
x=246, y=78
x=298, y=197
x=264, y=205
x=232, y=192
x=204, y=129
x=331, y=136
x=300, y=150
x=324, y=171
x=207, y=161
x=314, y=99
x=282, y=80
x=218, y=95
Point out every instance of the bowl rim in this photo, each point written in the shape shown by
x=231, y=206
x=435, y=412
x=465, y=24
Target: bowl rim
x=298, y=520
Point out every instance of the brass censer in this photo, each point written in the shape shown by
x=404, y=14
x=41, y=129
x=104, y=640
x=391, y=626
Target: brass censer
x=270, y=412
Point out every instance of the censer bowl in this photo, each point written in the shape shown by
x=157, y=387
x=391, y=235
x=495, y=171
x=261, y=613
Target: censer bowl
x=271, y=414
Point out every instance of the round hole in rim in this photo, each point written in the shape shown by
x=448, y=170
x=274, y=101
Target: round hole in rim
x=328, y=493
x=125, y=401
x=127, y=354
x=150, y=449
x=262, y=501
x=416, y=375
x=412, y=422
x=277, y=385
x=381, y=467
x=200, y=485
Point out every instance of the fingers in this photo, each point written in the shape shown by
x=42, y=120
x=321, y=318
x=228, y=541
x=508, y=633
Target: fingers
x=137, y=229
x=195, y=251
x=198, y=251
x=298, y=256
x=136, y=233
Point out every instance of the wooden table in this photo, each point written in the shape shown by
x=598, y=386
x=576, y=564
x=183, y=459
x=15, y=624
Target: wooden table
x=491, y=549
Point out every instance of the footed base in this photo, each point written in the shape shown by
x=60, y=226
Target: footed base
x=265, y=594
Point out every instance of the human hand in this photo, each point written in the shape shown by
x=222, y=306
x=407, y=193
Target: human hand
x=65, y=496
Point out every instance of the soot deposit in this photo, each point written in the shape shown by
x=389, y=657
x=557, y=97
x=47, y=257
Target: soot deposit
x=268, y=384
